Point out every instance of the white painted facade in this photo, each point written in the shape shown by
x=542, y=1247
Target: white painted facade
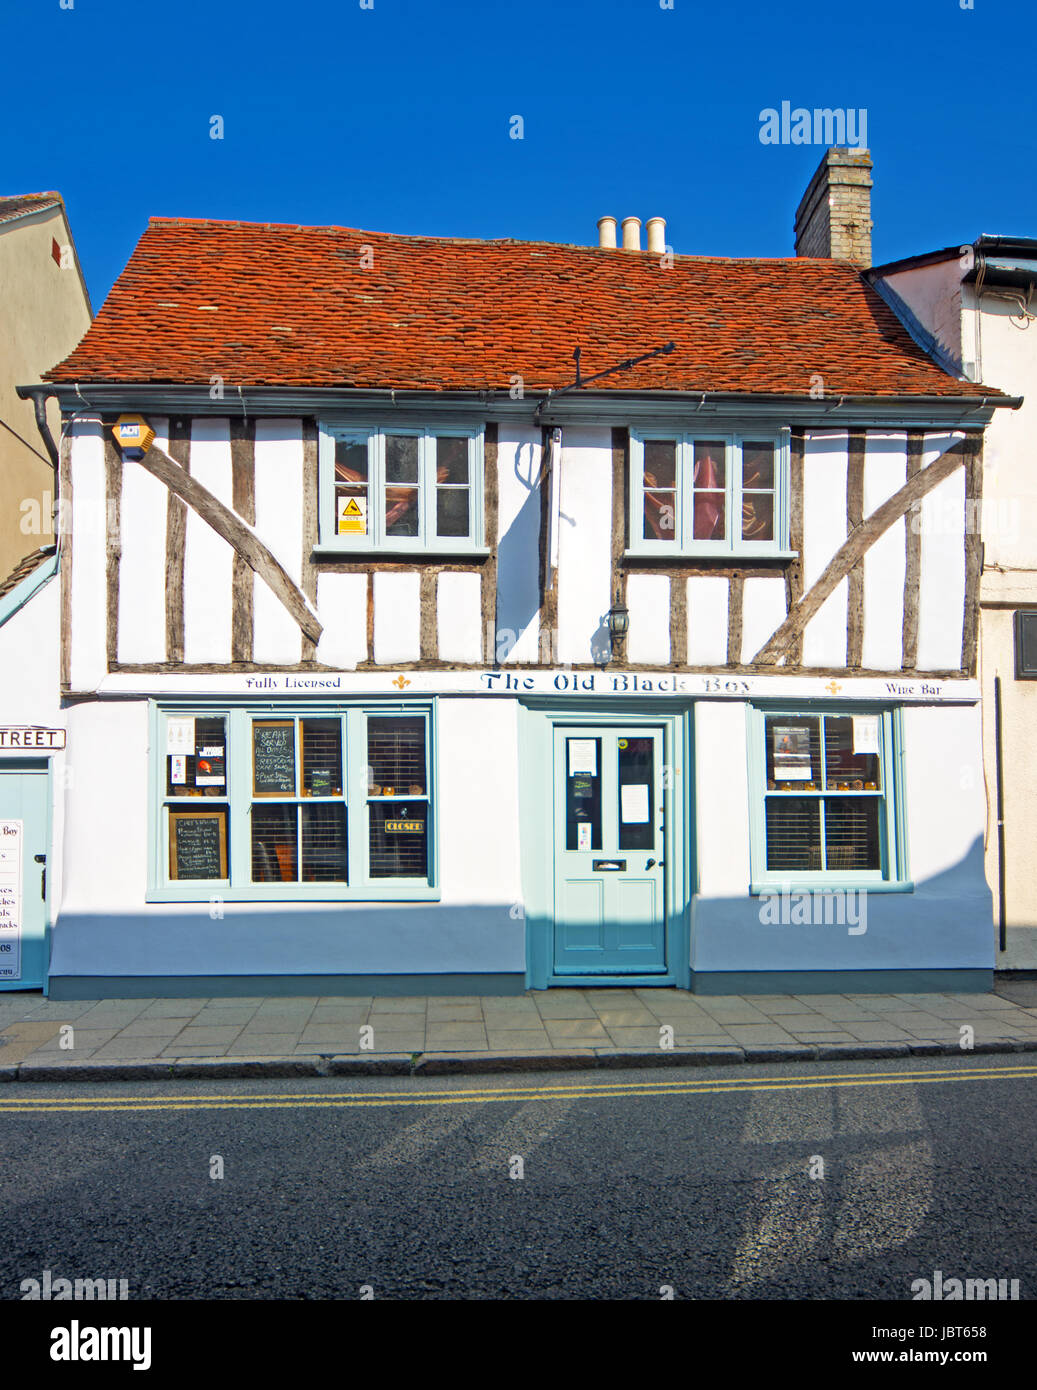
x=380, y=643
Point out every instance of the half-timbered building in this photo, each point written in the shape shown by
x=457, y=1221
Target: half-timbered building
x=418, y=652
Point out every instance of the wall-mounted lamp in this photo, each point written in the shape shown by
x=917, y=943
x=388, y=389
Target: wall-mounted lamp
x=618, y=622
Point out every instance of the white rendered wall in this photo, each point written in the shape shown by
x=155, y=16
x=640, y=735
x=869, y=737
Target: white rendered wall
x=707, y=620
x=459, y=617
x=648, y=600
x=518, y=544
x=107, y=928
x=279, y=522
x=584, y=543
x=941, y=592
x=824, y=531
x=89, y=621
x=397, y=616
x=142, y=564
x=342, y=609
x=30, y=643
x=763, y=612
x=885, y=472
x=208, y=559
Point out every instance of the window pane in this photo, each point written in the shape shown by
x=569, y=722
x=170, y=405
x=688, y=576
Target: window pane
x=710, y=455
x=846, y=770
x=583, y=793
x=399, y=839
x=324, y=843
x=852, y=832
x=322, y=757
x=757, y=516
x=351, y=461
x=203, y=770
x=401, y=503
x=452, y=511
x=451, y=460
x=401, y=458
x=636, y=803
x=758, y=466
x=274, y=857
x=793, y=752
x=395, y=757
x=793, y=832
x=273, y=757
x=351, y=478
x=660, y=463
x=709, y=522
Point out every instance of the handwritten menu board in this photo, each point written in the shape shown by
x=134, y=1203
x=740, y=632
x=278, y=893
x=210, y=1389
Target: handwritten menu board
x=197, y=844
x=11, y=834
x=273, y=757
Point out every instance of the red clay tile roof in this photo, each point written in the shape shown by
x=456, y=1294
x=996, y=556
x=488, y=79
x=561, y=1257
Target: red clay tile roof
x=293, y=306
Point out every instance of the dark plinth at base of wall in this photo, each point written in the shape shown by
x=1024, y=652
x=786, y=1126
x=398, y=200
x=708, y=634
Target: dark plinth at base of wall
x=843, y=982
x=276, y=986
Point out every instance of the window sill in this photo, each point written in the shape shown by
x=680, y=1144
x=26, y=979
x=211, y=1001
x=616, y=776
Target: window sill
x=336, y=552
x=838, y=883
x=727, y=557
x=292, y=896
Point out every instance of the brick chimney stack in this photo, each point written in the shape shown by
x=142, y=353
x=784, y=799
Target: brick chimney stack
x=834, y=215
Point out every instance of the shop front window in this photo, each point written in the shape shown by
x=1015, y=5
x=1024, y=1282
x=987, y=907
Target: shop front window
x=827, y=796
x=261, y=804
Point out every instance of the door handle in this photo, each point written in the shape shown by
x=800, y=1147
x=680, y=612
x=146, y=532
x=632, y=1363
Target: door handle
x=650, y=864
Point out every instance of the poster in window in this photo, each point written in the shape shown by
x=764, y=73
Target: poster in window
x=865, y=733
x=210, y=769
x=352, y=516
x=791, y=753
x=583, y=756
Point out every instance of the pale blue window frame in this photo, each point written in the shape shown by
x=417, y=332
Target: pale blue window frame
x=376, y=540
x=684, y=542
x=238, y=887
x=894, y=873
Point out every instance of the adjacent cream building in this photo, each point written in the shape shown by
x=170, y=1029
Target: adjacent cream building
x=972, y=306
x=46, y=310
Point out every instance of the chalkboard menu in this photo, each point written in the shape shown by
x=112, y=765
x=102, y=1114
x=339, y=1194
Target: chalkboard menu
x=273, y=757
x=197, y=844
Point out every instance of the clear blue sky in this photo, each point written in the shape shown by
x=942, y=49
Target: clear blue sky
x=396, y=118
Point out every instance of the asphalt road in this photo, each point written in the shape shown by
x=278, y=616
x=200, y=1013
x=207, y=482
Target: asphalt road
x=631, y=1181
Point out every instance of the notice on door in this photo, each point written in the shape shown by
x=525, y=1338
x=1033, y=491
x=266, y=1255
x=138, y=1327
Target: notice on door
x=634, y=803
x=11, y=838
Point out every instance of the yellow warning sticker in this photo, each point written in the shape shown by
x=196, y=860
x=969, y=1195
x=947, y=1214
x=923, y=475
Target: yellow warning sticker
x=352, y=516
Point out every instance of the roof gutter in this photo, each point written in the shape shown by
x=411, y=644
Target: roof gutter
x=618, y=407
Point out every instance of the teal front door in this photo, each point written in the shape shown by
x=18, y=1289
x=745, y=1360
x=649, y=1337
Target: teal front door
x=609, y=851
x=23, y=867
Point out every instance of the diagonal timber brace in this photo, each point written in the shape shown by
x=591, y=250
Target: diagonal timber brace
x=237, y=534
x=862, y=538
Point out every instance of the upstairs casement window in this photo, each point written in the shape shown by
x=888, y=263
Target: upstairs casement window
x=319, y=804
x=400, y=489
x=708, y=493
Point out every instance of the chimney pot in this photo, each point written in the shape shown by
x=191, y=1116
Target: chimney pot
x=607, y=232
x=656, y=229
x=631, y=233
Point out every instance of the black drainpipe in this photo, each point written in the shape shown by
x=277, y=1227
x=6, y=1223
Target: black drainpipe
x=999, y=766
x=39, y=395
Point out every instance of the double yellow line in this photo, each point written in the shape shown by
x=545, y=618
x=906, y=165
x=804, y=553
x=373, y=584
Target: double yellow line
x=575, y=1090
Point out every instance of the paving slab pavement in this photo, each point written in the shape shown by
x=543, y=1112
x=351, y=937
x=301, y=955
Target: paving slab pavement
x=42, y=1039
